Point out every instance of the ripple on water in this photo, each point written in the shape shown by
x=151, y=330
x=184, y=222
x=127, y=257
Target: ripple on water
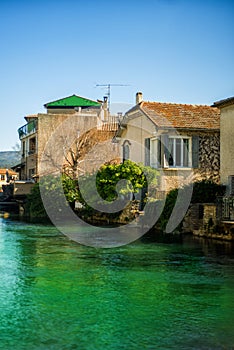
x=56, y=294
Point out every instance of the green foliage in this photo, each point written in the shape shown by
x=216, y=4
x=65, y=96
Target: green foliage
x=103, y=185
x=71, y=189
x=168, y=207
x=52, y=192
x=34, y=207
x=137, y=176
x=205, y=191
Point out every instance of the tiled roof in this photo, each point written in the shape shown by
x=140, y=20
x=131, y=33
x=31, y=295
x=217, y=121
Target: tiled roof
x=30, y=117
x=72, y=101
x=182, y=115
x=10, y=172
x=225, y=102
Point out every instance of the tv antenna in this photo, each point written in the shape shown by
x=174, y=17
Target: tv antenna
x=108, y=86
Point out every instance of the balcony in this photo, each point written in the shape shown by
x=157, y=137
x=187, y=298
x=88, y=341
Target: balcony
x=226, y=208
x=27, y=129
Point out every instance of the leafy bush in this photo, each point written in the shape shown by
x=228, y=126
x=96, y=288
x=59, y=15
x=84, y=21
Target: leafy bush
x=97, y=186
x=168, y=207
x=137, y=176
x=34, y=207
x=51, y=186
x=205, y=191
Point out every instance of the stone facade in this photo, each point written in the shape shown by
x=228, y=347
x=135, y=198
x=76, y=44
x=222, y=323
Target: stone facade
x=202, y=220
x=209, y=157
x=208, y=165
x=149, y=129
x=55, y=138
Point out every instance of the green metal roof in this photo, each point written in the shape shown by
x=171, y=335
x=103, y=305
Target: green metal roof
x=72, y=101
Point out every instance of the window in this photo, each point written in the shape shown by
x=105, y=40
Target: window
x=126, y=150
x=166, y=151
x=179, y=152
x=2, y=177
x=32, y=145
x=155, y=153
x=231, y=184
x=31, y=173
x=147, y=151
x=23, y=148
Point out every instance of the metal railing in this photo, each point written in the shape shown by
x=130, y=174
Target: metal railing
x=27, y=129
x=225, y=206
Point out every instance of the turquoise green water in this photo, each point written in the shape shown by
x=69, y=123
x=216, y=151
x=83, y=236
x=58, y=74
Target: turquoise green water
x=56, y=294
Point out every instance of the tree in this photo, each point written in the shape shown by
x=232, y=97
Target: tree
x=138, y=177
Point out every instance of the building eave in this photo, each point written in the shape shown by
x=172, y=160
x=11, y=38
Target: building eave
x=223, y=103
x=70, y=102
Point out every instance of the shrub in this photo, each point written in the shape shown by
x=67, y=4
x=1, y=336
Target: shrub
x=205, y=191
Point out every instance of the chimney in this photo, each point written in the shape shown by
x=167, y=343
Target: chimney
x=105, y=108
x=139, y=97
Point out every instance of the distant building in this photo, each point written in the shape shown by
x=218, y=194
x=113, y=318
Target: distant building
x=86, y=115
x=182, y=141
x=7, y=176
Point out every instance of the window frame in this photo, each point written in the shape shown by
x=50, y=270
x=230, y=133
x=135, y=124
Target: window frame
x=126, y=150
x=182, y=145
x=32, y=145
x=159, y=153
x=154, y=156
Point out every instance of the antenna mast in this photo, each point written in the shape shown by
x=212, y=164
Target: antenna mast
x=108, y=86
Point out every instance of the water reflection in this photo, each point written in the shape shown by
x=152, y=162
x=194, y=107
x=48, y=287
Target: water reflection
x=56, y=294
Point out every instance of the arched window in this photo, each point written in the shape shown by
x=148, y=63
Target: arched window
x=126, y=150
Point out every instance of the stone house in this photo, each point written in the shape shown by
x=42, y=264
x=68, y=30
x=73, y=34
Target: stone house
x=226, y=204
x=6, y=176
x=52, y=136
x=226, y=107
x=182, y=141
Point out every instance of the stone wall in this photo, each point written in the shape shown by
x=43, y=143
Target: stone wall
x=209, y=158
x=201, y=220
x=208, y=165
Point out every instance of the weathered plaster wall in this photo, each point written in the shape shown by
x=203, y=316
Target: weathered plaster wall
x=57, y=132
x=138, y=129
x=103, y=152
x=226, y=143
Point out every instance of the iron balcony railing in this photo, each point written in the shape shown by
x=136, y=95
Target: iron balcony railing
x=27, y=129
x=226, y=208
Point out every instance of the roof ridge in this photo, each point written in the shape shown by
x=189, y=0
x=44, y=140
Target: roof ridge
x=85, y=98
x=51, y=103
x=59, y=99
x=177, y=104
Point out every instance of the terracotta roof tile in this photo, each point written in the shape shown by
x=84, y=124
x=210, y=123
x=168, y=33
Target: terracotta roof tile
x=182, y=115
x=10, y=172
x=225, y=102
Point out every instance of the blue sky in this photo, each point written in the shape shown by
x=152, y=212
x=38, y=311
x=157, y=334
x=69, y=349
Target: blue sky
x=171, y=50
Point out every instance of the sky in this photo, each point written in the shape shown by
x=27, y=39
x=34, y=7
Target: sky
x=171, y=50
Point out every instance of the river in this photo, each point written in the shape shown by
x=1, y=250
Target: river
x=57, y=294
